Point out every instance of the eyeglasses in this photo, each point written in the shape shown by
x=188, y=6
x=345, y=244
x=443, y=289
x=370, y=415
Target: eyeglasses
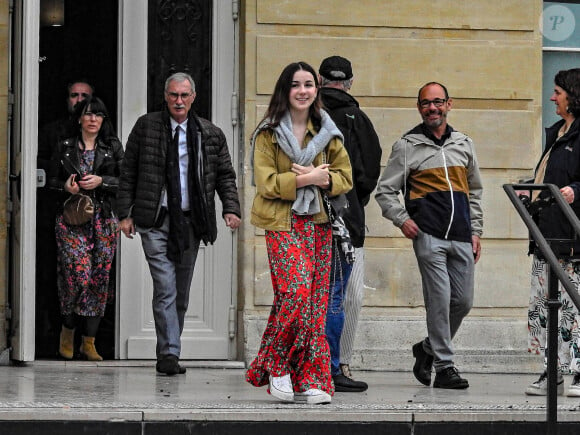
x=438, y=102
x=174, y=95
x=77, y=94
x=91, y=115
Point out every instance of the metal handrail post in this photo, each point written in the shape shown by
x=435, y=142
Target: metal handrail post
x=555, y=274
x=554, y=305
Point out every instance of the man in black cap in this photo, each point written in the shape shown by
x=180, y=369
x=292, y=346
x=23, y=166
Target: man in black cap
x=347, y=281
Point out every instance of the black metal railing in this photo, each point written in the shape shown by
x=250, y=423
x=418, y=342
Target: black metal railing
x=527, y=209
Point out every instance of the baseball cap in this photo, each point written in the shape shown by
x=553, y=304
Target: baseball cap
x=336, y=68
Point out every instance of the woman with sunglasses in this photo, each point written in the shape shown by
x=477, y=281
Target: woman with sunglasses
x=87, y=163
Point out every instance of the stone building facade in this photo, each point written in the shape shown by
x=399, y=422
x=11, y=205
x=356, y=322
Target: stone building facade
x=489, y=54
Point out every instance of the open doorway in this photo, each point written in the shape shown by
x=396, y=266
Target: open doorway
x=83, y=45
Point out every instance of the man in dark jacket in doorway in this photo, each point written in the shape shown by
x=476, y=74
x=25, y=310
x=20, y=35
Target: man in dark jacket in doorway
x=47, y=202
x=174, y=164
x=347, y=281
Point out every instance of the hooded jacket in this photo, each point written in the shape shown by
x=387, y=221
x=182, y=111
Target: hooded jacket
x=364, y=150
x=441, y=184
x=143, y=175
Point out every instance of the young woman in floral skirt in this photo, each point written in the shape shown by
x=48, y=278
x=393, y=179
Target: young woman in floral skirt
x=298, y=156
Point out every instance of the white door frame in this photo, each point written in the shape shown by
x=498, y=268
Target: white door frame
x=225, y=114
x=133, y=273
x=132, y=91
x=26, y=49
x=225, y=91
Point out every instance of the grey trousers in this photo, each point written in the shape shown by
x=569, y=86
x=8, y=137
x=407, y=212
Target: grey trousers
x=353, y=300
x=171, y=284
x=447, y=274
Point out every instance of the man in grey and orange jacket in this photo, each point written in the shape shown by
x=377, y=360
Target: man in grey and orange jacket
x=436, y=169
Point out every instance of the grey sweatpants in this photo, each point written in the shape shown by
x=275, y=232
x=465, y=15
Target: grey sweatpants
x=447, y=274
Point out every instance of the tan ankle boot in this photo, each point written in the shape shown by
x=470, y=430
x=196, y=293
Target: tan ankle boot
x=88, y=349
x=67, y=336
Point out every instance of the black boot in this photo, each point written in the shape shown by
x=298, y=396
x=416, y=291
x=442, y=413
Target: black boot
x=343, y=384
x=449, y=378
x=423, y=364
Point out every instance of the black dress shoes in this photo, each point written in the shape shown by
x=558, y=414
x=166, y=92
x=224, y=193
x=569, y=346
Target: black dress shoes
x=423, y=364
x=449, y=378
x=169, y=365
x=343, y=384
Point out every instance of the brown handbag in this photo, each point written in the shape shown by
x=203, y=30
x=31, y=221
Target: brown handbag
x=78, y=209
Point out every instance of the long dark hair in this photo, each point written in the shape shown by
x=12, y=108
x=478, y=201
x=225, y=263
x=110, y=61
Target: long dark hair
x=569, y=80
x=95, y=105
x=280, y=101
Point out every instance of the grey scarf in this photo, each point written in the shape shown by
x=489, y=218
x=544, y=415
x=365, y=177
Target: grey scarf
x=307, y=198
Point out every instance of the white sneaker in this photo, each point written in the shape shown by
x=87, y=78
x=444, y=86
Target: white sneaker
x=314, y=396
x=281, y=388
x=540, y=387
x=574, y=390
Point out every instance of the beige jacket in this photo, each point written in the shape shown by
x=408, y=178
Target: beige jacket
x=276, y=183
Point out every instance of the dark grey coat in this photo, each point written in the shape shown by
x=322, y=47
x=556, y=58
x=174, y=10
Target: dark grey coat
x=143, y=171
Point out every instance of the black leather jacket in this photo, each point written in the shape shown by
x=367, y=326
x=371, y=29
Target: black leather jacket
x=108, y=157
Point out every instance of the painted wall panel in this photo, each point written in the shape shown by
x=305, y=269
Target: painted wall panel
x=466, y=15
x=489, y=54
x=503, y=138
x=397, y=67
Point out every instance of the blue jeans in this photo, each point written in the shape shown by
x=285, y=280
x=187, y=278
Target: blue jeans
x=171, y=284
x=339, y=275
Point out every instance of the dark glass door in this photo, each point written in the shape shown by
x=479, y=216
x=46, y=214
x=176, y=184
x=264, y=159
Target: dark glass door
x=180, y=41
x=83, y=47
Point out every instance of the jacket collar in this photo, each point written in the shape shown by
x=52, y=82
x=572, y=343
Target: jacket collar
x=334, y=98
x=417, y=136
x=191, y=118
x=552, y=132
x=72, y=142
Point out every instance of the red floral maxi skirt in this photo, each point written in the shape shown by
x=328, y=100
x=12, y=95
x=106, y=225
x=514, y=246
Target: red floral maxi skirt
x=294, y=340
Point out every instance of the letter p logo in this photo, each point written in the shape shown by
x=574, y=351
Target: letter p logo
x=557, y=23
x=556, y=20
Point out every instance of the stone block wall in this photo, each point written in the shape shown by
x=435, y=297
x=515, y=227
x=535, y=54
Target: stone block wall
x=489, y=55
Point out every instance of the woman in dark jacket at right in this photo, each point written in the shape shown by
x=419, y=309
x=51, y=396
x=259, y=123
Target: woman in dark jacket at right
x=88, y=163
x=559, y=165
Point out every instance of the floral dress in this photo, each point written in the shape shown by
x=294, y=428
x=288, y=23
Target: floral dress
x=85, y=254
x=294, y=341
x=568, y=328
